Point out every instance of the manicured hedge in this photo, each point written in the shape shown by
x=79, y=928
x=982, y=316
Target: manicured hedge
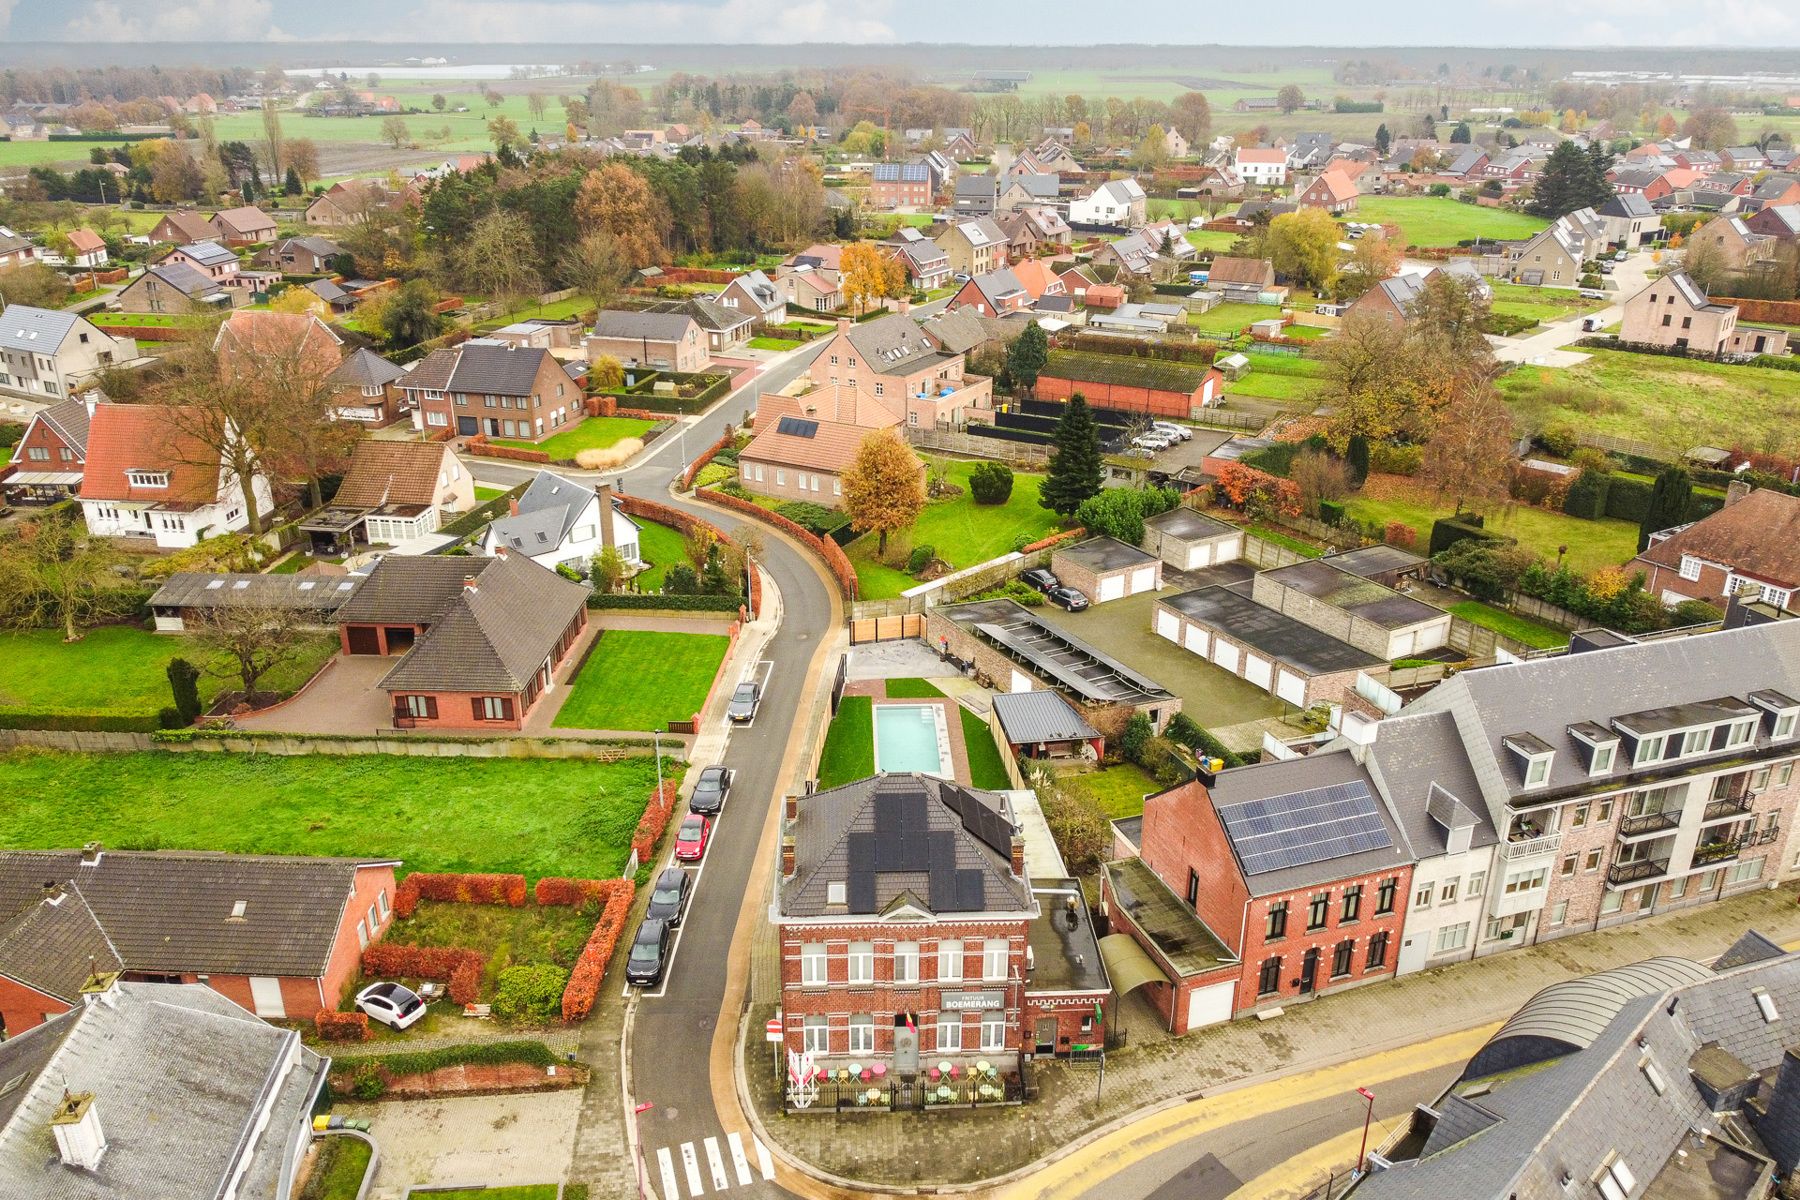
x=1188, y=732
x=1627, y=499
x=1586, y=497
x=482, y=514
x=341, y=1026
x=650, y=826
x=417, y=1062
x=569, y=893
x=459, y=889
x=664, y=602
x=1053, y=539
x=590, y=968
x=1447, y=531
x=459, y=967
x=88, y=722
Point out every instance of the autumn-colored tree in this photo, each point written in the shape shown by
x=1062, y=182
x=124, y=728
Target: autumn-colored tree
x=1711, y=128
x=1258, y=493
x=864, y=274
x=303, y=158
x=297, y=300
x=1319, y=476
x=1469, y=455
x=1666, y=126
x=175, y=176
x=1153, y=151
x=594, y=266
x=504, y=133
x=802, y=110
x=535, y=104
x=394, y=131
x=616, y=200
x=1373, y=260
x=884, y=489
x=1303, y=246
x=1192, y=115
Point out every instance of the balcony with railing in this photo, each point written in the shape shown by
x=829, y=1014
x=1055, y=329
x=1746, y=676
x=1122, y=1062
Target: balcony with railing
x=1727, y=807
x=1724, y=850
x=1518, y=847
x=1648, y=823
x=1620, y=874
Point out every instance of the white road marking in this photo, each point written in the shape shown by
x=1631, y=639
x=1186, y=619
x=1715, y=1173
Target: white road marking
x=690, y=1162
x=720, y=1180
x=671, y=1190
x=738, y=1158
x=763, y=1162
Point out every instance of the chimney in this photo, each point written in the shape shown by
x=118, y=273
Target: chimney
x=499, y=551
x=1780, y=1123
x=606, y=516
x=1736, y=490
x=843, y=325
x=53, y=892
x=91, y=854
x=1018, y=856
x=787, y=857
x=790, y=808
x=91, y=399
x=905, y=305
x=512, y=506
x=79, y=1141
x=468, y=583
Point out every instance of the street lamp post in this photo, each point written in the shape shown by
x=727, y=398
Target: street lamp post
x=637, y=1159
x=656, y=739
x=1362, y=1155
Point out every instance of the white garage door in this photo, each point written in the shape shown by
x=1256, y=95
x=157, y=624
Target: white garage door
x=265, y=997
x=1209, y=1005
x=1197, y=639
x=1168, y=625
x=1200, y=556
x=1230, y=550
x=1225, y=654
x=1112, y=588
x=1291, y=687
x=1021, y=682
x=1401, y=644
x=1143, y=580
x=1256, y=670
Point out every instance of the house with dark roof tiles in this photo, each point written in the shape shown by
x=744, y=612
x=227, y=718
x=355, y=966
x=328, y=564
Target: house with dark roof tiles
x=48, y=461
x=48, y=355
x=493, y=388
x=665, y=340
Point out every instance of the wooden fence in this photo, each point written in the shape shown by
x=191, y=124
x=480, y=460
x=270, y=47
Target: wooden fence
x=887, y=629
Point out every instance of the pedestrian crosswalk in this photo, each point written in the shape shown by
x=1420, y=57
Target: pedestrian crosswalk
x=722, y=1165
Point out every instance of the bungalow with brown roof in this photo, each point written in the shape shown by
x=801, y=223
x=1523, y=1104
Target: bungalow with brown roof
x=182, y=227
x=243, y=226
x=801, y=457
x=1241, y=279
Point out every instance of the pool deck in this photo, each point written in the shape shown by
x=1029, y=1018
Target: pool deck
x=876, y=689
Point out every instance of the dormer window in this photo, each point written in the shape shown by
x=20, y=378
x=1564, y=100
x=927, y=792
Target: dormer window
x=1648, y=750
x=1535, y=756
x=1781, y=713
x=1600, y=745
x=147, y=479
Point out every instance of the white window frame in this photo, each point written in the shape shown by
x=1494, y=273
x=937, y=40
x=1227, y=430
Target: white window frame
x=862, y=1033
x=949, y=1023
x=1602, y=762
x=950, y=961
x=994, y=955
x=1447, y=893
x=1423, y=895
x=906, y=963
x=1690, y=567
x=993, y=1030
x=815, y=1035
x=1784, y=726
x=861, y=963
x=815, y=969
x=1450, y=938
x=1477, y=885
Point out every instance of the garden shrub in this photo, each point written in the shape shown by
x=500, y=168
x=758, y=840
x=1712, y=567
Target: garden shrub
x=814, y=518
x=456, y=966
x=341, y=1026
x=458, y=889
x=1188, y=732
x=530, y=991
x=1586, y=497
x=1331, y=512
x=1137, y=735
x=366, y=1082
x=1015, y=590
x=562, y=892
x=991, y=483
x=651, y=824
x=1693, y=612
x=184, y=683
x=1164, y=762
x=419, y=1062
x=1388, y=459
x=1399, y=533
x=1120, y=512
x=680, y=580
x=1627, y=499
x=1356, y=457
x=1447, y=531
x=920, y=558
x=590, y=968
x=1559, y=440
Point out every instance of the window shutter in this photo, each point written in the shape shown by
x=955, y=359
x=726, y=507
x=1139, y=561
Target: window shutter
x=475, y=707
x=400, y=710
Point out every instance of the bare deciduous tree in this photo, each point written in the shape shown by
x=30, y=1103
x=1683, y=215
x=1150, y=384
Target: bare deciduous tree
x=247, y=641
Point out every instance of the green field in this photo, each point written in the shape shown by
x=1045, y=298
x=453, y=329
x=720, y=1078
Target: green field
x=849, y=752
x=595, y=433
x=1286, y=378
x=661, y=547
x=1673, y=402
x=1521, y=629
x=1441, y=221
x=1231, y=317
x=961, y=531
x=1607, y=542
x=565, y=816
x=121, y=670
x=638, y=679
x=1539, y=303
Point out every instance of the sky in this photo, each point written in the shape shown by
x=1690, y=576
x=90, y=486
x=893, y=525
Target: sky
x=1065, y=22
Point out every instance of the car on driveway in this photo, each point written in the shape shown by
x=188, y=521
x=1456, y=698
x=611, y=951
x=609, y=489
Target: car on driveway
x=1041, y=579
x=1067, y=598
x=394, y=1005
x=710, y=790
x=649, y=954
x=744, y=701
x=691, y=838
x=1171, y=431
x=668, y=899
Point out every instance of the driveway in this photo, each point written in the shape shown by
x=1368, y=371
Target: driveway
x=470, y=1140
x=1546, y=349
x=343, y=698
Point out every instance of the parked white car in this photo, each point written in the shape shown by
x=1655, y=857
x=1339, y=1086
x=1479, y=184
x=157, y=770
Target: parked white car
x=393, y=1004
x=1150, y=441
x=1171, y=431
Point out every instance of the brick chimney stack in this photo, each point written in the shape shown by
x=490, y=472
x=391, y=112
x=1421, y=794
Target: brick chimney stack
x=1018, y=856
x=843, y=324
x=468, y=583
x=787, y=857
x=512, y=506
x=790, y=809
x=606, y=516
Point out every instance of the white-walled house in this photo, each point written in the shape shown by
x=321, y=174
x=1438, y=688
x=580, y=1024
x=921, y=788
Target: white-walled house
x=149, y=476
x=1263, y=166
x=1120, y=202
x=48, y=355
x=556, y=522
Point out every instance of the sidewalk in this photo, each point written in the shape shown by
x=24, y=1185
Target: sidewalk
x=964, y=1148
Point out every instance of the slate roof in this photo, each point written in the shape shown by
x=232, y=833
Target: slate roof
x=1040, y=716
x=482, y=366
x=1000, y=287
x=410, y=589
x=1630, y=206
x=715, y=317
x=384, y=472
x=363, y=367
x=548, y=509
x=656, y=326
x=1038, y=187
x=328, y=291
x=127, y=437
x=1758, y=535
x=195, y=1095
x=894, y=344
x=1417, y=765
x=977, y=187
x=38, y=330
x=494, y=636
x=171, y=910
x=830, y=820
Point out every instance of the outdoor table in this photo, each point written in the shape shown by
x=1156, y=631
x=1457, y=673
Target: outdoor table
x=873, y=1094
x=856, y=1068
x=983, y=1066
x=944, y=1065
x=880, y=1070
x=935, y=1074
x=867, y=1074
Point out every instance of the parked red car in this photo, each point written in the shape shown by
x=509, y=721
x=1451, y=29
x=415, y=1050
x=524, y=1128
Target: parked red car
x=690, y=839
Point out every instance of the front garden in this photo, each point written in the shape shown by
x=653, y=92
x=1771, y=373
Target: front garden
x=594, y=433
x=637, y=679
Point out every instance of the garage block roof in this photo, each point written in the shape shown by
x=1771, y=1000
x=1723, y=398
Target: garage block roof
x=1101, y=554
x=1353, y=594
x=1067, y=661
x=1189, y=526
x=1230, y=610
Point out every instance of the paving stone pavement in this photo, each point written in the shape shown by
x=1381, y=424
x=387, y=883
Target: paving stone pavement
x=602, y=1156
x=941, y=1147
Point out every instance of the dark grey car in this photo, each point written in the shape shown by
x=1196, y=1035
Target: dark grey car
x=710, y=791
x=744, y=701
x=668, y=899
x=649, y=954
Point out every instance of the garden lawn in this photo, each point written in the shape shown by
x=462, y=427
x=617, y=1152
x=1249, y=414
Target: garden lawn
x=641, y=679
x=1231, y=317
x=1523, y=629
x=562, y=816
x=661, y=547
x=913, y=689
x=1211, y=239
x=849, y=752
x=1658, y=399
x=595, y=433
x=961, y=531
x=1539, y=303
x=483, y=494
x=1441, y=221
x=987, y=770
x=338, y=1171
x=121, y=670
x=1119, y=790
x=1607, y=542
x=775, y=344
x=1287, y=541
x=1285, y=378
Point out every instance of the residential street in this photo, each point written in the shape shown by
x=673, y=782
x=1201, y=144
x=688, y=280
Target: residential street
x=1546, y=349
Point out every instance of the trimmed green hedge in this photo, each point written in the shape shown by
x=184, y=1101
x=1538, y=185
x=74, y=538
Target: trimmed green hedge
x=666, y=602
x=81, y=722
x=1184, y=730
x=482, y=514
x=1447, y=531
x=1586, y=497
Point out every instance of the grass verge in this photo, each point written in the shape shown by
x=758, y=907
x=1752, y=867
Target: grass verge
x=1521, y=629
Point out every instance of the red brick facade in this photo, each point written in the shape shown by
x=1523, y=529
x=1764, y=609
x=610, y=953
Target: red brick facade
x=1125, y=398
x=23, y=1008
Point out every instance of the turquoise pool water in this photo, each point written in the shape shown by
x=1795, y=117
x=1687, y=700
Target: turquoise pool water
x=909, y=737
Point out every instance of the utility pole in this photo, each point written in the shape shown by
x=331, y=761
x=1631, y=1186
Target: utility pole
x=1362, y=1155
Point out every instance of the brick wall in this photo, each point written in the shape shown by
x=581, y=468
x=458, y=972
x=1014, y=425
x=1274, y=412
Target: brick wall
x=1181, y=833
x=372, y=883
x=23, y=1008
x=785, y=482
x=1170, y=1000
x=1293, y=946
x=1076, y=575
x=41, y=436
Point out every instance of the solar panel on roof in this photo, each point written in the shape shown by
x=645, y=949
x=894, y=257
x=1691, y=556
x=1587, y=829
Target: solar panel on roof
x=797, y=427
x=968, y=891
x=942, y=871
x=1304, y=827
x=861, y=873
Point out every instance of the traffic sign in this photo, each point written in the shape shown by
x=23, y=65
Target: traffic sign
x=772, y=1030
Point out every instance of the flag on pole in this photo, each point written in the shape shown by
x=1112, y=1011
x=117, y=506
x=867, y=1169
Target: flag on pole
x=910, y=1027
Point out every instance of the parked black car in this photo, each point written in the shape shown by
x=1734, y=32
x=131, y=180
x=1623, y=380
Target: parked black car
x=1041, y=579
x=744, y=701
x=668, y=899
x=710, y=790
x=649, y=954
x=1067, y=597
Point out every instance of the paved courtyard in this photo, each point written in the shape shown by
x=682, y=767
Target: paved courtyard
x=342, y=698
x=471, y=1140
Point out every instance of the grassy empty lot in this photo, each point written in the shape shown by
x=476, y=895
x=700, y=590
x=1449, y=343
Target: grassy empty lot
x=768, y=343
x=510, y=937
x=1523, y=629
x=1211, y=239
x=849, y=752
x=1119, y=790
x=962, y=532
x=1232, y=318
x=535, y=816
x=484, y=494
x=595, y=433
x=121, y=670
x=1592, y=544
x=1674, y=401
x=1442, y=221
x=639, y=679
x=1286, y=378
x=1539, y=303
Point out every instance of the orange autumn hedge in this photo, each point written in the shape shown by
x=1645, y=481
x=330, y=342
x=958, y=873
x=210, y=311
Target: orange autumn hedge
x=570, y=893
x=459, y=889
x=341, y=1026
x=460, y=968
x=655, y=819
x=590, y=968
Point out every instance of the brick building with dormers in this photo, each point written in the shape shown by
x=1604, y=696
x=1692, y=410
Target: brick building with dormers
x=910, y=932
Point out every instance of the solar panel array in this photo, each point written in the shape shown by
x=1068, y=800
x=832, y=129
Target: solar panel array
x=797, y=427
x=1304, y=827
x=994, y=831
x=903, y=842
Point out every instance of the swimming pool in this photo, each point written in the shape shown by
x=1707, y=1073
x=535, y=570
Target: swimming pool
x=912, y=737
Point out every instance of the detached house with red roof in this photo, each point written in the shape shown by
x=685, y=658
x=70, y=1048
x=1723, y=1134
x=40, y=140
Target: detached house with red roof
x=150, y=475
x=1751, y=545
x=1334, y=191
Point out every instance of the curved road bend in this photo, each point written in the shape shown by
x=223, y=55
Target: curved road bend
x=673, y=1026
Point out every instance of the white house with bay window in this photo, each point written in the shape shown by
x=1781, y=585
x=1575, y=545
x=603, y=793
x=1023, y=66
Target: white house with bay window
x=556, y=523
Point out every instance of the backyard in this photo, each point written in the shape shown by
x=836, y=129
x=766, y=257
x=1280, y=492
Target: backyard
x=337, y=1172
x=668, y=676
x=595, y=433
x=1231, y=317
x=1285, y=378
x=1509, y=624
x=849, y=752
x=661, y=548
x=961, y=531
x=120, y=670
x=1607, y=542
x=534, y=816
x=1442, y=221
x=1118, y=790
x=511, y=937
x=986, y=768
